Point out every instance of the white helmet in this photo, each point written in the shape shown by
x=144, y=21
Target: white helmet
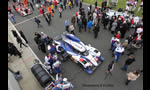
x=65, y=80
x=42, y=33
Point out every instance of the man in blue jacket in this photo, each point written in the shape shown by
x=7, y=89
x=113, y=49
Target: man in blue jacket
x=90, y=23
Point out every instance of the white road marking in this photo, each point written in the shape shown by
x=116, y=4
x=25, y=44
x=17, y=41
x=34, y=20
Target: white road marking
x=38, y=16
x=45, y=13
x=29, y=19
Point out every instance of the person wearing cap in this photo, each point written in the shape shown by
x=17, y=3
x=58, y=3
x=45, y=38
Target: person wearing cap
x=64, y=85
x=113, y=40
x=57, y=66
x=58, y=81
x=128, y=62
x=118, y=52
x=132, y=76
x=116, y=44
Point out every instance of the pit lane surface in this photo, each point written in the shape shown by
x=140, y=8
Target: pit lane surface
x=79, y=78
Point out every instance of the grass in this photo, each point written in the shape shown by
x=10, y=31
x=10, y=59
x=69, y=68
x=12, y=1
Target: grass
x=121, y=4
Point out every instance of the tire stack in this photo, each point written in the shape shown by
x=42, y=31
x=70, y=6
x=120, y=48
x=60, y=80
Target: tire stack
x=41, y=75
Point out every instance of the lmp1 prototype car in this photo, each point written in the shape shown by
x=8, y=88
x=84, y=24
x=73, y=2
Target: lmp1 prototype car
x=85, y=55
x=23, y=10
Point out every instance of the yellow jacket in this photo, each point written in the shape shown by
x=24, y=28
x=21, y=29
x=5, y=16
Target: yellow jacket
x=52, y=6
x=69, y=3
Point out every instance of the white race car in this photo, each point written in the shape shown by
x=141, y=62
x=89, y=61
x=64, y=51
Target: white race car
x=86, y=55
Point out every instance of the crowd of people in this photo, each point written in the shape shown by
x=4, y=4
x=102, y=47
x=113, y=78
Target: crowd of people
x=132, y=4
x=90, y=21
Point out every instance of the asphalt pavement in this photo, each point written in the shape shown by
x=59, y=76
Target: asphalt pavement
x=79, y=78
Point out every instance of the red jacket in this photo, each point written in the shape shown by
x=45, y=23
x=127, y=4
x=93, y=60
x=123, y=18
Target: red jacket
x=77, y=13
x=55, y=3
x=41, y=11
x=132, y=21
x=122, y=19
x=118, y=36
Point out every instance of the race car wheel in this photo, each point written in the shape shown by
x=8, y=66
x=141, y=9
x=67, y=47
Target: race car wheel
x=80, y=65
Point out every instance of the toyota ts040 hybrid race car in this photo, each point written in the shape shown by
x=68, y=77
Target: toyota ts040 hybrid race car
x=85, y=55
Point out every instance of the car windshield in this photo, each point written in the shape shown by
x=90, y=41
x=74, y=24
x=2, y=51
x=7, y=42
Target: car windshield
x=96, y=51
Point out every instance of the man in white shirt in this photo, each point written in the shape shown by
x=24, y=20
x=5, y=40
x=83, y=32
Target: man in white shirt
x=141, y=5
x=127, y=9
x=136, y=19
